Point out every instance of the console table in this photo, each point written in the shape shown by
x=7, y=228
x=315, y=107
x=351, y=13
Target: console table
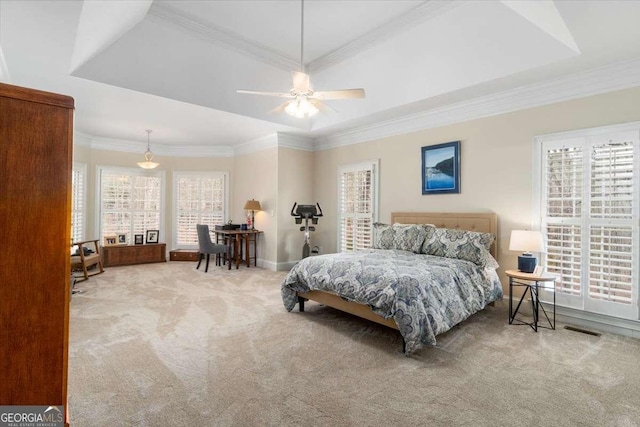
x=134, y=254
x=236, y=238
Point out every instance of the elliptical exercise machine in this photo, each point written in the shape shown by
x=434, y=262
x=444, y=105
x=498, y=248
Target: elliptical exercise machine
x=306, y=212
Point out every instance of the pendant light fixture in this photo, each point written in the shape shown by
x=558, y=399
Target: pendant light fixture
x=148, y=156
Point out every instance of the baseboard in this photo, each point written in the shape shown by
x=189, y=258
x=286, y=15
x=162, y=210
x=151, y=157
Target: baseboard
x=286, y=266
x=588, y=320
x=276, y=266
x=269, y=265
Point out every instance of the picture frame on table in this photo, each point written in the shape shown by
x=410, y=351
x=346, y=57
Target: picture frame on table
x=441, y=168
x=110, y=240
x=138, y=239
x=122, y=239
x=153, y=236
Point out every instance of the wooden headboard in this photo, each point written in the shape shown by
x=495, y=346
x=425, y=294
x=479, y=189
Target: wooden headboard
x=480, y=222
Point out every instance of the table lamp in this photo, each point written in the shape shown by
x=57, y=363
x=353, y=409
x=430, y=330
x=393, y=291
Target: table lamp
x=252, y=205
x=527, y=241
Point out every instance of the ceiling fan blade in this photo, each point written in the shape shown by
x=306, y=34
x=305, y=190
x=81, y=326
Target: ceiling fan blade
x=322, y=107
x=280, y=108
x=300, y=81
x=340, y=94
x=253, y=92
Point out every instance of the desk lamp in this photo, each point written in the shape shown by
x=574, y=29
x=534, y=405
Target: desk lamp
x=252, y=205
x=527, y=241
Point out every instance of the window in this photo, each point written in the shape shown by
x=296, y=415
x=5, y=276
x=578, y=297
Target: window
x=78, y=201
x=200, y=198
x=131, y=201
x=357, y=208
x=589, y=211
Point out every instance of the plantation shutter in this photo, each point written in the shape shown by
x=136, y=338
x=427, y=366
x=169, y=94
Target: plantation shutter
x=590, y=212
x=78, y=202
x=614, y=176
x=357, y=207
x=130, y=202
x=564, y=169
x=200, y=199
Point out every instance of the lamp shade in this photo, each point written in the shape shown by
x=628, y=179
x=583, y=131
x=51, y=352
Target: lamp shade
x=252, y=205
x=526, y=240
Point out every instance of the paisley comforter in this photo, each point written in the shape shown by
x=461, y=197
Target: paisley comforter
x=425, y=295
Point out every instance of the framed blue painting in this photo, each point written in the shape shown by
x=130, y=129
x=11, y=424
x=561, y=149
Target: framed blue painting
x=441, y=168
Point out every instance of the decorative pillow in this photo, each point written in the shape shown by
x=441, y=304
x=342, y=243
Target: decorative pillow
x=409, y=237
x=405, y=237
x=383, y=235
x=488, y=261
x=462, y=244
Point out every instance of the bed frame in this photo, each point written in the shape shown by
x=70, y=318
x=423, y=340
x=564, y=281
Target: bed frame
x=480, y=222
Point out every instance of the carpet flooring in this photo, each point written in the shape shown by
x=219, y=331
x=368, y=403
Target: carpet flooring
x=167, y=345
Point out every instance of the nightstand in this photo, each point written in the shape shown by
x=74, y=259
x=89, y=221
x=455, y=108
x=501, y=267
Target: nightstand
x=532, y=284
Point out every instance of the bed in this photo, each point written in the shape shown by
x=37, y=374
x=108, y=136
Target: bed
x=421, y=290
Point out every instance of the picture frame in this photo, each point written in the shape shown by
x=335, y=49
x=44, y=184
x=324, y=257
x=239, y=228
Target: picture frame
x=441, y=168
x=110, y=240
x=152, y=236
x=122, y=239
x=138, y=239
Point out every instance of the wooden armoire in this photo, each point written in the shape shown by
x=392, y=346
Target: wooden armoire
x=36, y=142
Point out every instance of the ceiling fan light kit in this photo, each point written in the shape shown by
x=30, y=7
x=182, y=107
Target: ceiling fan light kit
x=301, y=107
x=305, y=102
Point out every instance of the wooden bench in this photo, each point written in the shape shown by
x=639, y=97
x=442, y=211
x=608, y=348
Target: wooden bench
x=116, y=255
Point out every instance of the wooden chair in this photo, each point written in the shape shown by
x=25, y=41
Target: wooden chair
x=83, y=259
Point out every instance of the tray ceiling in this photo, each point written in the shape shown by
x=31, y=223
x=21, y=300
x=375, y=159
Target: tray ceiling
x=174, y=66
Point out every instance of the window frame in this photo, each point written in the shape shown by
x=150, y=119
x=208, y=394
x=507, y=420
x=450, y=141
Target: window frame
x=137, y=172
x=589, y=138
x=82, y=169
x=174, y=212
x=374, y=166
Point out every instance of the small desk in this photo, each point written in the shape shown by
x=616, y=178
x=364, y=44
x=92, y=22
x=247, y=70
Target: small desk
x=518, y=278
x=238, y=236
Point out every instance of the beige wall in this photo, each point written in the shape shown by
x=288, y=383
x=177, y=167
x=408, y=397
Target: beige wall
x=94, y=158
x=295, y=184
x=496, y=169
x=256, y=177
x=276, y=177
x=496, y=156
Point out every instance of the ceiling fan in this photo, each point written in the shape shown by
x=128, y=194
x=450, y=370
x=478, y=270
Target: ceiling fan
x=303, y=100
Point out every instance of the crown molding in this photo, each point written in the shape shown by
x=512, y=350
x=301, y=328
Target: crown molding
x=418, y=15
x=127, y=146
x=222, y=37
x=609, y=78
x=122, y=145
x=81, y=139
x=195, y=151
x=296, y=142
x=278, y=139
x=258, y=144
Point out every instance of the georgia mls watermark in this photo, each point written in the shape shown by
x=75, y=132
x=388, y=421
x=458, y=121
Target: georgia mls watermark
x=31, y=416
